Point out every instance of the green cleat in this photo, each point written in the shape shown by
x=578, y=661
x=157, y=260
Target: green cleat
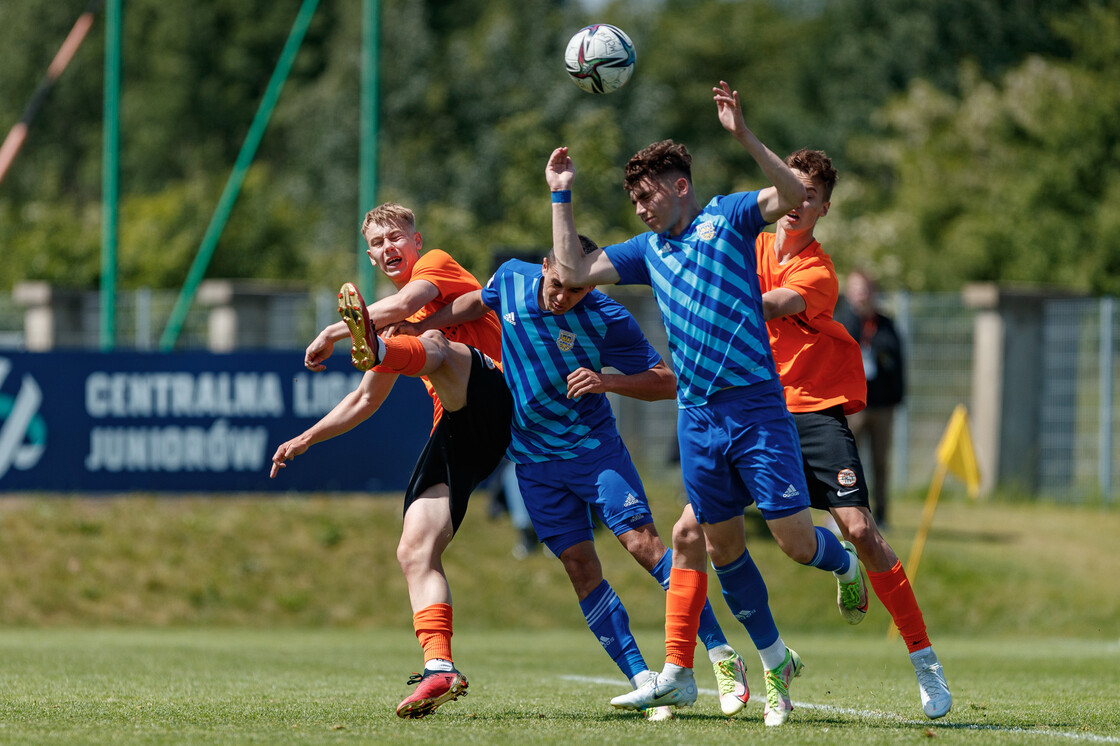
x=731, y=680
x=851, y=597
x=778, y=704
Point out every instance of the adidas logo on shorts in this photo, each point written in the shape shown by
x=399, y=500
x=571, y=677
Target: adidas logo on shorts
x=631, y=500
x=791, y=491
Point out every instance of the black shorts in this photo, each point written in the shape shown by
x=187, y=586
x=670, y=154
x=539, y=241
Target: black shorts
x=467, y=444
x=830, y=459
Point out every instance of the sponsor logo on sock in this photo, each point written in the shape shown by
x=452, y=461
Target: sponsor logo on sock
x=744, y=615
x=605, y=641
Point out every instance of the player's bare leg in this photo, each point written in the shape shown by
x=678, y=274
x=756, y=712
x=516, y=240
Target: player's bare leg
x=426, y=534
x=795, y=536
x=801, y=541
x=448, y=368
x=858, y=527
x=644, y=545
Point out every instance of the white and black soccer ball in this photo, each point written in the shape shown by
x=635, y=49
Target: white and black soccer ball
x=600, y=58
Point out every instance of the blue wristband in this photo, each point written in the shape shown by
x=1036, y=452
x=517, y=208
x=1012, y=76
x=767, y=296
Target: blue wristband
x=564, y=195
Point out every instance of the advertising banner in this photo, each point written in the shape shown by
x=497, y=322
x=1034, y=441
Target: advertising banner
x=195, y=422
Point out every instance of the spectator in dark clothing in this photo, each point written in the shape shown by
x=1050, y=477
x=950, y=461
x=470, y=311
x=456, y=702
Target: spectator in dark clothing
x=883, y=365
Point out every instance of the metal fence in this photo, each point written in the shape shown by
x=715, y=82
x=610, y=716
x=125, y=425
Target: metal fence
x=1076, y=449
x=1078, y=415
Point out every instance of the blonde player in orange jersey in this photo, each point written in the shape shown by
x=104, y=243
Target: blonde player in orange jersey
x=460, y=366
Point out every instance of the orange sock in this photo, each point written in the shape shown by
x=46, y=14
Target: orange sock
x=404, y=354
x=433, y=630
x=688, y=590
x=894, y=591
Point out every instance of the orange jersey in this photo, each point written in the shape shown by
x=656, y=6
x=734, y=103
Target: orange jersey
x=818, y=362
x=451, y=281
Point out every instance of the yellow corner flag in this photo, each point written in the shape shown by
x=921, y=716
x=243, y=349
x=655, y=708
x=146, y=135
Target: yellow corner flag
x=954, y=454
x=955, y=451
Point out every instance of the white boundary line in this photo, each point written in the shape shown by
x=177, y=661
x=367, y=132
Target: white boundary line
x=1042, y=731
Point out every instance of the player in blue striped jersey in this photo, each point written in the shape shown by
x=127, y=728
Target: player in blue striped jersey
x=738, y=442
x=569, y=458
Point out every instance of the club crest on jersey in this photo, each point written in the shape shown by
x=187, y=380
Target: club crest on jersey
x=706, y=231
x=566, y=341
x=846, y=478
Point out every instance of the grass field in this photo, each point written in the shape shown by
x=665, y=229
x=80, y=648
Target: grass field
x=542, y=687
x=209, y=620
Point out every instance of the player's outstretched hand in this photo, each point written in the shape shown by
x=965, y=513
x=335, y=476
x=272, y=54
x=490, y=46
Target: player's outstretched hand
x=318, y=351
x=561, y=170
x=286, y=452
x=729, y=108
x=585, y=381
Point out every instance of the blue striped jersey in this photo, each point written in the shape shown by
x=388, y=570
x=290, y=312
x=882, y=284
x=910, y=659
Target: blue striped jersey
x=705, y=282
x=540, y=349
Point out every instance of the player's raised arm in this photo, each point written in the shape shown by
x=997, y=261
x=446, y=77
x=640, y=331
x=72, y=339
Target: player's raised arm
x=574, y=267
x=787, y=191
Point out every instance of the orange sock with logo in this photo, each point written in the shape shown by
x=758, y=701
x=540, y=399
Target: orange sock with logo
x=404, y=354
x=433, y=630
x=688, y=590
x=894, y=591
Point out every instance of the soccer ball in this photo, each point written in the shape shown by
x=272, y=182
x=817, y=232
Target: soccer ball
x=600, y=58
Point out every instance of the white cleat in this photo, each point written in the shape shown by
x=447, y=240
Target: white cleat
x=936, y=699
x=778, y=703
x=659, y=691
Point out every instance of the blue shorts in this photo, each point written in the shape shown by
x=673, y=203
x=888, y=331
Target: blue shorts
x=741, y=447
x=560, y=495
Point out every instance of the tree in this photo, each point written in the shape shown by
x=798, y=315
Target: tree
x=1017, y=181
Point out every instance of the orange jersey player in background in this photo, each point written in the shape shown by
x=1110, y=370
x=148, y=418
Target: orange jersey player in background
x=821, y=372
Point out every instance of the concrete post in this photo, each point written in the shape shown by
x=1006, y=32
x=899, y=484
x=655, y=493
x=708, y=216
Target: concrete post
x=1007, y=382
x=54, y=317
x=244, y=314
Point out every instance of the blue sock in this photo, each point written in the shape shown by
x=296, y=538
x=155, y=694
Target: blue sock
x=710, y=632
x=746, y=596
x=831, y=554
x=609, y=622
